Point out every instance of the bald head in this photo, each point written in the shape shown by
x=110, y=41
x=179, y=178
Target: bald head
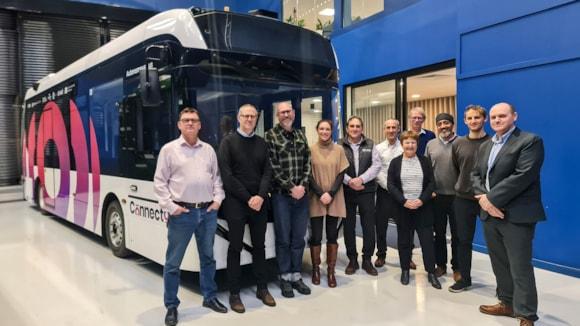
x=391, y=128
x=502, y=117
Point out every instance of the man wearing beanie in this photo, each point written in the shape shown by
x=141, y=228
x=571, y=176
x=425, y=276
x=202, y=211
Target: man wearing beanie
x=438, y=150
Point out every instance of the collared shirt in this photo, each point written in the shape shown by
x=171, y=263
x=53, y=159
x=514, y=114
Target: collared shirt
x=372, y=171
x=289, y=156
x=187, y=173
x=241, y=132
x=498, y=142
x=387, y=153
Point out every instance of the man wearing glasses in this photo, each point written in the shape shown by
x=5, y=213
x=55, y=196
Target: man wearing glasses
x=188, y=185
x=246, y=173
x=290, y=159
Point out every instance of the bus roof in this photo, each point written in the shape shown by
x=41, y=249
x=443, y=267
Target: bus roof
x=177, y=22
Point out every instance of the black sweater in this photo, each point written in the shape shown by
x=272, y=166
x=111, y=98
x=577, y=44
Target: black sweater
x=245, y=170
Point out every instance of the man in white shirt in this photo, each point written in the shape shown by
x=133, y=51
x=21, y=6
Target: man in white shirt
x=386, y=205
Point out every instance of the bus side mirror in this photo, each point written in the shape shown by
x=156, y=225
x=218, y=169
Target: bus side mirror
x=149, y=87
x=158, y=54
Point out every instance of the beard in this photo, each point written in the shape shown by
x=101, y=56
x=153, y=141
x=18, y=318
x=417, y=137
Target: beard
x=445, y=133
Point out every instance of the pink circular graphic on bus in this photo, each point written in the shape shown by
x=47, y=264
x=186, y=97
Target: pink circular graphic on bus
x=51, y=120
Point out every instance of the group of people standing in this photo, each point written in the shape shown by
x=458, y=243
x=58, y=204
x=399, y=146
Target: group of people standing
x=420, y=180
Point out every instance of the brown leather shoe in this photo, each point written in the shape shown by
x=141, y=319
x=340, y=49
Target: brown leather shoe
x=380, y=262
x=315, y=256
x=525, y=322
x=499, y=309
x=456, y=276
x=331, y=253
x=236, y=303
x=368, y=267
x=266, y=297
x=412, y=265
x=352, y=266
x=440, y=271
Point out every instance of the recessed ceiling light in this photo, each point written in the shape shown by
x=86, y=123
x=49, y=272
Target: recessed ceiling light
x=316, y=100
x=381, y=94
x=326, y=12
x=416, y=95
x=375, y=102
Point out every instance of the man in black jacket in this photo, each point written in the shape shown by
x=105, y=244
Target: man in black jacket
x=359, y=191
x=506, y=181
x=246, y=174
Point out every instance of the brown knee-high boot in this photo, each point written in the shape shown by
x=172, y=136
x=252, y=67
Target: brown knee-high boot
x=315, y=255
x=331, y=252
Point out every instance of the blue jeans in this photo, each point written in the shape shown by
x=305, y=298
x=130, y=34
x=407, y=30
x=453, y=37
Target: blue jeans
x=180, y=230
x=290, y=223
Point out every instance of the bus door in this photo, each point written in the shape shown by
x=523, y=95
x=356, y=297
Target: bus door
x=143, y=131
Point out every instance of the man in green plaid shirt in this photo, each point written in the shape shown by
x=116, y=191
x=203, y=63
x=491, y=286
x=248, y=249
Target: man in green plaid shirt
x=290, y=158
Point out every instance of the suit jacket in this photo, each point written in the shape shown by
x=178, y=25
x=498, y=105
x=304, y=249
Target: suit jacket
x=424, y=214
x=514, y=178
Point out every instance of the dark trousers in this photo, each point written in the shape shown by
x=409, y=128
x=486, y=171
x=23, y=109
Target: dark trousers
x=316, y=225
x=237, y=226
x=510, y=252
x=443, y=209
x=466, y=212
x=366, y=208
x=405, y=226
x=386, y=208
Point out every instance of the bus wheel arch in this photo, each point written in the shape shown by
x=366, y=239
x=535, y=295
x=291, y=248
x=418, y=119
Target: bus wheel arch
x=113, y=226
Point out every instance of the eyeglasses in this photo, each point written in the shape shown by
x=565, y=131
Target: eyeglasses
x=248, y=116
x=189, y=120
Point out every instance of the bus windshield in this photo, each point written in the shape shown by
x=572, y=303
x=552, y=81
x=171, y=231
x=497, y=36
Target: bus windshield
x=221, y=96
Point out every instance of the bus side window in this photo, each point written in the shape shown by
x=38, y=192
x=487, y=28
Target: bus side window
x=144, y=130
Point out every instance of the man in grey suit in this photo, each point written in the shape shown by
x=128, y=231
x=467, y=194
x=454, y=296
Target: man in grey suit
x=506, y=180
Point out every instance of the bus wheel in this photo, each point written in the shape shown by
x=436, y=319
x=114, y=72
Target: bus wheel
x=115, y=230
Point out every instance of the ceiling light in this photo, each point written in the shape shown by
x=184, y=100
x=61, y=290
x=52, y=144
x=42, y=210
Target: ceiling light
x=416, y=95
x=316, y=100
x=375, y=102
x=326, y=12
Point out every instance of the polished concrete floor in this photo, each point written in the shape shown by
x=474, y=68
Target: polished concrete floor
x=55, y=274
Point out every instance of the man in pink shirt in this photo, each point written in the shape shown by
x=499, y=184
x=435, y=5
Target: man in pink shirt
x=188, y=185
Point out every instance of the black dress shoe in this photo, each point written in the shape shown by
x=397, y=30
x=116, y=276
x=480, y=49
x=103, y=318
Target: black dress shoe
x=286, y=288
x=215, y=305
x=301, y=287
x=405, y=277
x=434, y=281
x=171, y=317
x=367, y=266
x=352, y=266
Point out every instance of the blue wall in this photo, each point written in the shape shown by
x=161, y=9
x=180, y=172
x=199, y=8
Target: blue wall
x=523, y=52
x=530, y=56
x=421, y=34
x=162, y=5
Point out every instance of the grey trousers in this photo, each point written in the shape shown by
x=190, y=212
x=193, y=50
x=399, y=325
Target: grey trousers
x=510, y=251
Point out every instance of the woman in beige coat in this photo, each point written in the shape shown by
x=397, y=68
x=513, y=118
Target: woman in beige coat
x=326, y=198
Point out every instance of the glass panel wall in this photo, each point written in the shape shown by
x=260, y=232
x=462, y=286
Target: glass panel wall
x=357, y=10
x=435, y=92
x=315, y=15
x=374, y=103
